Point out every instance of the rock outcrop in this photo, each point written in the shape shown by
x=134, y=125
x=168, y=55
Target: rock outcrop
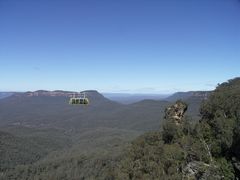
x=176, y=112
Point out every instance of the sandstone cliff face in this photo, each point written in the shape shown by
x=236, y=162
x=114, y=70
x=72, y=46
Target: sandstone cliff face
x=201, y=95
x=176, y=112
x=48, y=93
x=57, y=93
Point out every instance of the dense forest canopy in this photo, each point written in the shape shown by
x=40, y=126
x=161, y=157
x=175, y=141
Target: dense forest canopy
x=209, y=149
x=181, y=149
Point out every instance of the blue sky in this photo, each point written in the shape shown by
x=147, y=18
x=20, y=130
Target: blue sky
x=132, y=46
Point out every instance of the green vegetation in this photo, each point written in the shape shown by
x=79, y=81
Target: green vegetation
x=28, y=148
x=191, y=151
x=182, y=149
x=92, y=156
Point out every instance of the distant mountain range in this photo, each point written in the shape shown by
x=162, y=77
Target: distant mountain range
x=57, y=93
x=51, y=109
x=37, y=124
x=5, y=94
x=190, y=94
x=126, y=98
x=43, y=137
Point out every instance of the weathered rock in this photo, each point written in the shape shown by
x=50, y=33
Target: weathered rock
x=199, y=170
x=176, y=112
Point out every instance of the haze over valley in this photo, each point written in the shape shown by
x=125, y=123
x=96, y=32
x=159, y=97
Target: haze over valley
x=119, y=90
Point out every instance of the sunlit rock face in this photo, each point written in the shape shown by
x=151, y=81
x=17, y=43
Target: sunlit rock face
x=176, y=112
